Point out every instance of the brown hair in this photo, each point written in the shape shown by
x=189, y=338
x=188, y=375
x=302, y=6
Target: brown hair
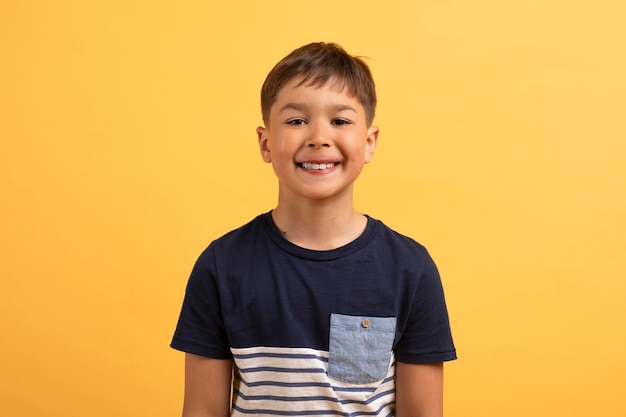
x=317, y=63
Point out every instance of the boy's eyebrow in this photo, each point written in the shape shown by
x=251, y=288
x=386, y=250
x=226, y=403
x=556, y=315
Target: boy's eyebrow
x=293, y=106
x=303, y=106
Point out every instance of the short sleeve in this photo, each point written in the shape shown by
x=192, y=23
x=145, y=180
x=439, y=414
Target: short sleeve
x=427, y=337
x=200, y=329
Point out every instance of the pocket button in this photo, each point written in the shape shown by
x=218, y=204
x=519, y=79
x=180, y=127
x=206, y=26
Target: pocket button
x=365, y=323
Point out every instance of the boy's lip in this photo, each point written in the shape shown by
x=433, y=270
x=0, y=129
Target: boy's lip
x=318, y=164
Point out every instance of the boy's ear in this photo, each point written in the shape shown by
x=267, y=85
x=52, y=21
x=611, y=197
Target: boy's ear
x=264, y=144
x=370, y=143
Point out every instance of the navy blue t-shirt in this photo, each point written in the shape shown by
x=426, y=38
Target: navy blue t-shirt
x=299, y=321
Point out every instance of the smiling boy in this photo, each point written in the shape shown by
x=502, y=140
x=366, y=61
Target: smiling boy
x=314, y=308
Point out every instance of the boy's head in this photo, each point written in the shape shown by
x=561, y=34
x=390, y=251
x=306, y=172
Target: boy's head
x=318, y=63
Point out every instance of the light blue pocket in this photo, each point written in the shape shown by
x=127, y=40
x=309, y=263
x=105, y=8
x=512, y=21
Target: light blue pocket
x=360, y=348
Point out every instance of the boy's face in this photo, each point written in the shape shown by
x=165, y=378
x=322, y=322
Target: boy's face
x=317, y=140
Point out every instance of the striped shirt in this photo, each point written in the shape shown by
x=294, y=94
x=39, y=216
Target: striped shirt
x=295, y=382
x=314, y=333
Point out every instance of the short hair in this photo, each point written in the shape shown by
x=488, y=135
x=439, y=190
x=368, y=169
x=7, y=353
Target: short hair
x=317, y=63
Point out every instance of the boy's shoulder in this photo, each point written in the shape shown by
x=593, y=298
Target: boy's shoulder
x=395, y=237
x=235, y=243
x=242, y=235
x=400, y=246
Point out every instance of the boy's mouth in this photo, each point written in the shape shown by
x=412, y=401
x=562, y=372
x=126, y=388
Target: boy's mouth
x=314, y=165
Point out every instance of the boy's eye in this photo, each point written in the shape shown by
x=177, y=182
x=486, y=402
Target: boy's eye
x=340, y=122
x=296, y=122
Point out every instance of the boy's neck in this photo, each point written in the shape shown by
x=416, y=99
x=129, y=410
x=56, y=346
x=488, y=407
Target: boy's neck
x=319, y=226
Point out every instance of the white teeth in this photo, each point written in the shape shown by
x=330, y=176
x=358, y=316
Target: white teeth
x=310, y=165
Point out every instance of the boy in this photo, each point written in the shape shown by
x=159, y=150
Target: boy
x=314, y=308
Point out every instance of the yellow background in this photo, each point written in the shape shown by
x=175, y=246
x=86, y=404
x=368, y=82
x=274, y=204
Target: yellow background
x=127, y=143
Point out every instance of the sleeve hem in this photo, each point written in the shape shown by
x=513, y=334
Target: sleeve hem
x=427, y=358
x=199, y=350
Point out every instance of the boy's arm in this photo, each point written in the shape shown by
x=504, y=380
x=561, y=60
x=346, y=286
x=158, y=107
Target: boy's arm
x=207, y=386
x=419, y=390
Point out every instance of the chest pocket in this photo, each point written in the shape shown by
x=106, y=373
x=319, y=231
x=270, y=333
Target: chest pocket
x=360, y=348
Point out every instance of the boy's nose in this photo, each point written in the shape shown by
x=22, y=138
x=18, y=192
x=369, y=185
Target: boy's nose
x=318, y=138
x=318, y=144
